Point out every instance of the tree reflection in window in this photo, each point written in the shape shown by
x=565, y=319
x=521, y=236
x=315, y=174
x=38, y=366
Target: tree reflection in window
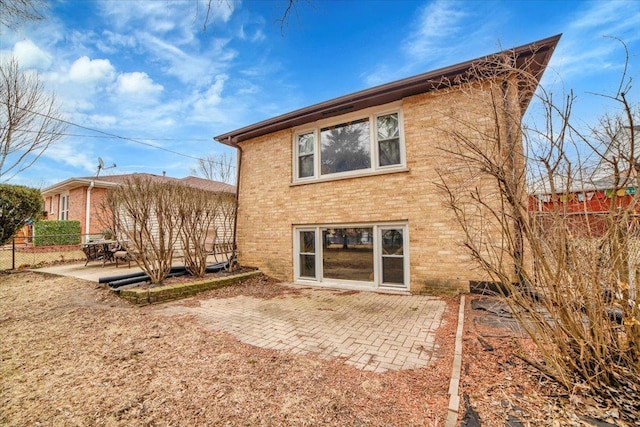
x=345, y=147
x=388, y=140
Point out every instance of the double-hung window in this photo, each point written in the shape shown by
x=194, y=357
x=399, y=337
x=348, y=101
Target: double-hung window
x=64, y=207
x=306, y=150
x=370, y=141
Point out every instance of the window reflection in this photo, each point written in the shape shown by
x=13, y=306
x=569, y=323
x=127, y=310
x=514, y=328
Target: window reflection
x=345, y=147
x=348, y=253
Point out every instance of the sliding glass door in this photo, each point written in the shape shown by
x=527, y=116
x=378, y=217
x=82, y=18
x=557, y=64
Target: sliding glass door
x=371, y=255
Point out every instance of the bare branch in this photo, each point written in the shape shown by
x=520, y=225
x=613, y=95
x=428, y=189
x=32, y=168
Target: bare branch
x=220, y=167
x=15, y=12
x=29, y=117
x=567, y=272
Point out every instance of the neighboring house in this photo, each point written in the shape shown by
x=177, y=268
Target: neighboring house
x=82, y=198
x=589, y=196
x=344, y=193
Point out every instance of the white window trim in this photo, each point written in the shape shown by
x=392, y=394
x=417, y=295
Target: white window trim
x=63, y=208
x=371, y=113
x=376, y=284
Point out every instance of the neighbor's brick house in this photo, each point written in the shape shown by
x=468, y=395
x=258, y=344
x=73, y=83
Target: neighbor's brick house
x=344, y=193
x=82, y=199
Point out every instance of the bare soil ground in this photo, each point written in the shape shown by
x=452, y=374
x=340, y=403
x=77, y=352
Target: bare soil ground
x=72, y=353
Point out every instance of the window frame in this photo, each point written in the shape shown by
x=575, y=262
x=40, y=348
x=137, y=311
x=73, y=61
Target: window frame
x=372, y=114
x=63, y=209
x=377, y=282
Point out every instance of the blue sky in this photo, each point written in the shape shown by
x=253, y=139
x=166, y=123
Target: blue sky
x=147, y=71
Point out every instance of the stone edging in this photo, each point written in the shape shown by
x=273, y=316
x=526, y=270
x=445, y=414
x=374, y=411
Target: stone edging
x=181, y=290
x=454, y=398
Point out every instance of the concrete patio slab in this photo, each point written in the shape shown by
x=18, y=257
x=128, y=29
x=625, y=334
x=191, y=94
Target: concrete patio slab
x=92, y=271
x=371, y=331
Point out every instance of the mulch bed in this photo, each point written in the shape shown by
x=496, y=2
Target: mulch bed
x=73, y=353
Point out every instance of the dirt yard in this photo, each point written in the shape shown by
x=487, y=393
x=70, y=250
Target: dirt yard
x=72, y=353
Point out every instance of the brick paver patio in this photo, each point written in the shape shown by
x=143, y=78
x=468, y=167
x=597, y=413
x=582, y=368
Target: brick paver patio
x=374, y=332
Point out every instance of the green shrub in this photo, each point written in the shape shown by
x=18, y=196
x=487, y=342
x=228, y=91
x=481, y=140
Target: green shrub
x=18, y=204
x=49, y=233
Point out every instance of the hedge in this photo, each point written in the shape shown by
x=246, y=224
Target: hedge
x=18, y=204
x=48, y=233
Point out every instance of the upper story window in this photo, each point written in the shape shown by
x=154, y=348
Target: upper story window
x=362, y=143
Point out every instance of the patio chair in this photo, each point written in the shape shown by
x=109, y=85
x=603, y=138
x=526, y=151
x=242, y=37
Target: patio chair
x=122, y=254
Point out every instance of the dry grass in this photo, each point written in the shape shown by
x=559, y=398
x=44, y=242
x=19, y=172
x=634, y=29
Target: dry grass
x=74, y=354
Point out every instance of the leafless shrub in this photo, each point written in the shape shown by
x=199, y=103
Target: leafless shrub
x=569, y=275
x=146, y=215
x=198, y=211
x=225, y=249
x=160, y=221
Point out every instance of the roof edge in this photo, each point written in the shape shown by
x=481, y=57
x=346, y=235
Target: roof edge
x=383, y=94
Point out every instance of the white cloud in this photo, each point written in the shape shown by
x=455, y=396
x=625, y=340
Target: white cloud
x=428, y=43
x=585, y=48
x=85, y=70
x=194, y=68
x=112, y=42
x=72, y=153
x=205, y=105
x=30, y=56
x=138, y=84
x=182, y=20
x=251, y=32
x=437, y=21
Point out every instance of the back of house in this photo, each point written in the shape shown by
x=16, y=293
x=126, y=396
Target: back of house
x=346, y=193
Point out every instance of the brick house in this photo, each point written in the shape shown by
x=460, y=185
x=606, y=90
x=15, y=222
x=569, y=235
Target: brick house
x=81, y=199
x=344, y=193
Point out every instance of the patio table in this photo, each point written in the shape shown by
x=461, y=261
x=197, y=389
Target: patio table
x=99, y=250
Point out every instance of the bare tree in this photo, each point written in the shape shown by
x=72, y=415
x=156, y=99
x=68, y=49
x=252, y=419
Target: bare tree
x=290, y=6
x=568, y=275
x=160, y=220
x=225, y=223
x=145, y=215
x=218, y=167
x=29, y=116
x=199, y=212
x=14, y=12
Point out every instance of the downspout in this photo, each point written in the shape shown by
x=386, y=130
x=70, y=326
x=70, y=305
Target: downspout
x=87, y=216
x=235, y=217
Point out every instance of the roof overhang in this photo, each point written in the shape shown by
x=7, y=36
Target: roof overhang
x=532, y=57
x=72, y=183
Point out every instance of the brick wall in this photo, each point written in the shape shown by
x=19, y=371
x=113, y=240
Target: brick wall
x=269, y=206
x=77, y=203
x=97, y=217
x=77, y=208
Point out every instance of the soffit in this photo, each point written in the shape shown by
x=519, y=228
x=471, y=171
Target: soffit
x=532, y=57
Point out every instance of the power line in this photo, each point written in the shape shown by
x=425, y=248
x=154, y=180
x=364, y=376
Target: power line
x=111, y=137
x=124, y=138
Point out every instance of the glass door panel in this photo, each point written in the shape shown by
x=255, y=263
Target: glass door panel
x=348, y=254
x=393, y=262
x=307, y=259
